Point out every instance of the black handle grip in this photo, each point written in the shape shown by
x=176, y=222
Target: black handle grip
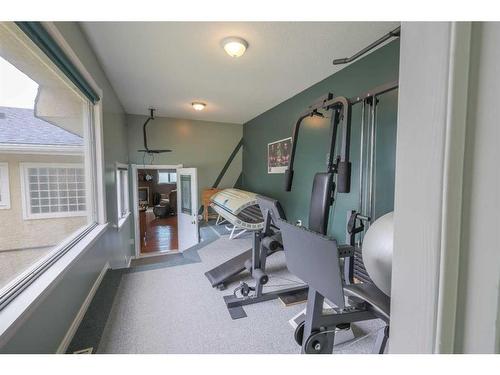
x=344, y=177
x=288, y=179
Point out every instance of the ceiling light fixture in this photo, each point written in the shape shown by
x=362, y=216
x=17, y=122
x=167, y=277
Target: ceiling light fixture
x=198, y=106
x=234, y=46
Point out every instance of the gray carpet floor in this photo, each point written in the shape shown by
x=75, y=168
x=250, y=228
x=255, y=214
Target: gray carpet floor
x=170, y=307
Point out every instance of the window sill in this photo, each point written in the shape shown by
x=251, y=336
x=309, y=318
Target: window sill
x=19, y=309
x=121, y=222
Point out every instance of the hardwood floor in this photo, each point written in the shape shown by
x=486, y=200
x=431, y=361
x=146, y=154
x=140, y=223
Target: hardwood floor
x=161, y=234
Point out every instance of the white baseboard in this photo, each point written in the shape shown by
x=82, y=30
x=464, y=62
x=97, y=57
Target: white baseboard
x=158, y=253
x=123, y=265
x=81, y=313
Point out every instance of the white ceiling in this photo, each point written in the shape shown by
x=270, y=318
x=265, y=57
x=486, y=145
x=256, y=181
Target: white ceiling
x=168, y=65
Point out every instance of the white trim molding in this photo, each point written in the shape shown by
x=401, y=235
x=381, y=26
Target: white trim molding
x=4, y=186
x=70, y=53
x=122, y=193
x=44, y=276
x=18, y=310
x=81, y=313
x=432, y=114
x=454, y=156
x=17, y=148
x=122, y=221
x=98, y=115
x=25, y=192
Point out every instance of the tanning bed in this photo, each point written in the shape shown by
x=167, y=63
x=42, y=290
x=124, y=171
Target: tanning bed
x=239, y=208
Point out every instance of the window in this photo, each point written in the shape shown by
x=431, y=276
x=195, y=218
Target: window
x=4, y=186
x=186, y=194
x=53, y=190
x=167, y=177
x=47, y=137
x=122, y=193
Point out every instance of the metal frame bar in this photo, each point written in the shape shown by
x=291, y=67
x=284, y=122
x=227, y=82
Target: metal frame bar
x=258, y=263
x=371, y=158
x=228, y=163
x=391, y=34
x=144, y=133
x=232, y=236
x=316, y=319
x=342, y=112
x=376, y=91
x=145, y=136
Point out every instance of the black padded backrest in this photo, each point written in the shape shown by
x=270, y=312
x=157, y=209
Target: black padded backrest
x=319, y=208
x=313, y=258
x=272, y=206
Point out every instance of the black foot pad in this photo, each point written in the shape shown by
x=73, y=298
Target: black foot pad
x=236, y=312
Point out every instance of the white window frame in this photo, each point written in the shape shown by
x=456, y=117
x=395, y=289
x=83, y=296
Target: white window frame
x=4, y=186
x=25, y=292
x=25, y=192
x=123, y=213
x=169, y=182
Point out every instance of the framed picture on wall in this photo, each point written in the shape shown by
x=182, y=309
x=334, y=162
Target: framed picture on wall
x=278, y=155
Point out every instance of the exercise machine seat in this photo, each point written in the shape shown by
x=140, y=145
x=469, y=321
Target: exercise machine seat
x=313, y=258
x=321, y=201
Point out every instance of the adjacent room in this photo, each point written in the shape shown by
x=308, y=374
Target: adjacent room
x=157, y=206
x=248, y=187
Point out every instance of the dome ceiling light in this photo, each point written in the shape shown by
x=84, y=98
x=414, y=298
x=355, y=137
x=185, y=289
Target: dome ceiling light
x=198, y=106
x=234, y=46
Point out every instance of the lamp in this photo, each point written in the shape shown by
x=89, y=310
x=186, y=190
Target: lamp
x=198, y=106
x=234, y=46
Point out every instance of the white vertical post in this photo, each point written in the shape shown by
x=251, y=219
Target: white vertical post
x=426, y=105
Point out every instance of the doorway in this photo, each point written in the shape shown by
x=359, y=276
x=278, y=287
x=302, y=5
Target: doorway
x=155, y=209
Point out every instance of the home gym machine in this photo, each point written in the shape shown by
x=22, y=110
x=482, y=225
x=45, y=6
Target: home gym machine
x=265, y=243
x=316, y=258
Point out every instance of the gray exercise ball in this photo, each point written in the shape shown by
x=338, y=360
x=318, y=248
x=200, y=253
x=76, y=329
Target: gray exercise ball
x=377, y=251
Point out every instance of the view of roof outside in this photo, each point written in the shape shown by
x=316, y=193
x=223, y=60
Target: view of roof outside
x=19, y=127
x=18, y=124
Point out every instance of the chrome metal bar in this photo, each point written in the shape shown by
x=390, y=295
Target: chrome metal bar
x=376, y=91
x=391, y=34
x=361, y=158
x=372, y=158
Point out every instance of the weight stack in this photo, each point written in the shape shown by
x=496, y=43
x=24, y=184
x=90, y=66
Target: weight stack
x=359, y=270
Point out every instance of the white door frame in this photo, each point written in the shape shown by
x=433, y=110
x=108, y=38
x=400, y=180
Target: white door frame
x=184, y=220
x=432, y=117
x=135, y=202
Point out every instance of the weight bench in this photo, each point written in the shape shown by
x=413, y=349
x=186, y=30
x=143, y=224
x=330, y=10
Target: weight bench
x=265, y=243
x=315, y=258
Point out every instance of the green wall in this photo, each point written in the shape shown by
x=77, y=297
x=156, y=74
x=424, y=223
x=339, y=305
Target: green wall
x=205, y=145
x=376, y=69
